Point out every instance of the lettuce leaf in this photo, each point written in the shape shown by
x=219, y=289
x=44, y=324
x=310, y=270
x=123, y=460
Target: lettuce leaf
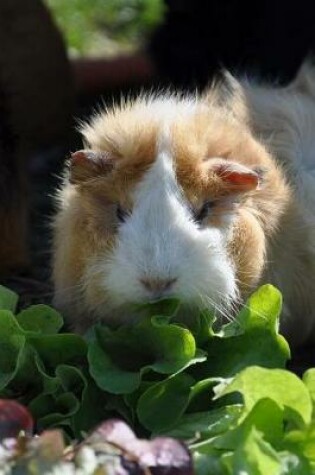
x=225, y=391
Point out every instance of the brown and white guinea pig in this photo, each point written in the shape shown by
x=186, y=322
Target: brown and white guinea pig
x=189, y=197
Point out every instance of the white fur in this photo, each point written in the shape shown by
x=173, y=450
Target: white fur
x=284, y=118
x=167, y=109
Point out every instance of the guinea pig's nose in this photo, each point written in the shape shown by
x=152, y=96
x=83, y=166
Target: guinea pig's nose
x=158, y=286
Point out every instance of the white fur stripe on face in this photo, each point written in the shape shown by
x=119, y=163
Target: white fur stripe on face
x=158, y=211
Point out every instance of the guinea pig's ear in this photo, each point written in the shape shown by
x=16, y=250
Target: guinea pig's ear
x=238, y=177
x=88, y=164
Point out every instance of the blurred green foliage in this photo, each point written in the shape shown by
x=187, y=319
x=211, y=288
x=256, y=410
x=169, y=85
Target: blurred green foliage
x=105, y=27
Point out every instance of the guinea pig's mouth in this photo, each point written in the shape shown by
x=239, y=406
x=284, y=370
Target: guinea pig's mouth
x=185, y=313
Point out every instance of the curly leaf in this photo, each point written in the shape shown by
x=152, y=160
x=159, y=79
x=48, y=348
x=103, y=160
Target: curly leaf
x=40, y=319
x=155, y=345
x=283, y=387
x=8, y=299
x=155, y=403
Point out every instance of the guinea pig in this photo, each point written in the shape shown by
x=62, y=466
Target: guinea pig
x=188, y=197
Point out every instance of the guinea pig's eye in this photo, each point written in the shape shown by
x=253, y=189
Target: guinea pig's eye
x=121, y=214
x=203, y=212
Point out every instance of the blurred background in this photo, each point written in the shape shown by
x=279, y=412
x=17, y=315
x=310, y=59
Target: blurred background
x=98, y=28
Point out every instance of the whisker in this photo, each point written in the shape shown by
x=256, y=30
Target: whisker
x=208, y=301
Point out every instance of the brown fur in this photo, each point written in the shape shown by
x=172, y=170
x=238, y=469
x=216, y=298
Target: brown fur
x=86, y=225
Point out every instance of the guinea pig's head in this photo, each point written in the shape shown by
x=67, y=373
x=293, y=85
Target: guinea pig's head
x=171, y=197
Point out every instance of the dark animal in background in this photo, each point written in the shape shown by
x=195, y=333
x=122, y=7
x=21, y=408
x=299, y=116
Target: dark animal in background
x=35, y=105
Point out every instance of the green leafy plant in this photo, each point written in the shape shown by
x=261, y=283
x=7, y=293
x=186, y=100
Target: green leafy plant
x=225, y=392
x=106, y=28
